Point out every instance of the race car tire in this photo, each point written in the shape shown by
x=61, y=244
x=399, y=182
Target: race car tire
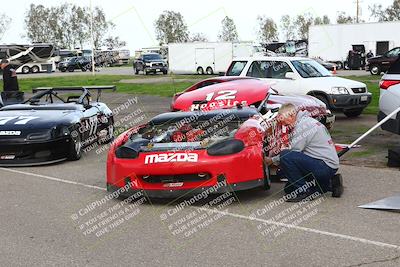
x=352, y=113
x=200, y=71
x=75, y=148
x=25, y=69
x=35, y=69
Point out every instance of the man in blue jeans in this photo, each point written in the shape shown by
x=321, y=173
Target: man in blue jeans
x=311, y=162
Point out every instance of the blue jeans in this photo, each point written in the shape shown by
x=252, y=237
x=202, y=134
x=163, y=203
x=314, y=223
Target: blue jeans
x=299, y=168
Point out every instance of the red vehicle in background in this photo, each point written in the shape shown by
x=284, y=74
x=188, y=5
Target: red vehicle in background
x=230, y=91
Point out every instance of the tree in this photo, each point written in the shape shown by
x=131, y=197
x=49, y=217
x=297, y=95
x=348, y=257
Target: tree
x=391, y=13
x=4, y=22
x=267, y=31
x=66, y=25
x=114, y=42
x=287, y=28
x=321, y=21
x=303, y=23
x=228, y=32
x=343, y=18
x=170, y=27
x=198, y=37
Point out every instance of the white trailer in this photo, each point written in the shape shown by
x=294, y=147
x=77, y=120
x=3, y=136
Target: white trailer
x=332, y=42
x=205, y=57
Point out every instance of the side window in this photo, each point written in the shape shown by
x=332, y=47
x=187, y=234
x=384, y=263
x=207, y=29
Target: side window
x=258, y=69
x=236, y=68
x=269, y=69
x=394, y=53
x=279, y=69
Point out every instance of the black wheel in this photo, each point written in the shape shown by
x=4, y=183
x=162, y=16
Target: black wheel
x=25, y=69
x=75, y=146
x=323, y=99
x=209, y=71
x=200, y=71
x=71, y=69
x=63, y=70
x=35, y=69
x=375, y=70
x=352, y=113
x=84, y=69
x=165, y=72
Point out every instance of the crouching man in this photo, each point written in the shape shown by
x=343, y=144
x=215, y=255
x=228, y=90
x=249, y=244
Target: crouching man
x=311, y=162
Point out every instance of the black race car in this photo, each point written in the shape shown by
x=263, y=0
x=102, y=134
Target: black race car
x=53, y=125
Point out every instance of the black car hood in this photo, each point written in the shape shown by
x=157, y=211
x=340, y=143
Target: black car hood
x=19, y=120
x=377, y=58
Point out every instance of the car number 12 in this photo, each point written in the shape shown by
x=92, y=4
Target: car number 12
x=222, y=95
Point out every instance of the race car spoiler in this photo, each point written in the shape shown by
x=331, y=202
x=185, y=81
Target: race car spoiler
x=77, y=88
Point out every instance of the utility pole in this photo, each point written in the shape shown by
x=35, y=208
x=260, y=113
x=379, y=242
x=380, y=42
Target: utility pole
x=358, y=11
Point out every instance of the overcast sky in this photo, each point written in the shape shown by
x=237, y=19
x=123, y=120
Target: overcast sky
x=135, y=19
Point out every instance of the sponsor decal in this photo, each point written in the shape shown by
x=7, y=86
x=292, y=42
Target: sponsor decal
x=171, y=157
x=7, y=157
x=173, y=184
x=10, y=132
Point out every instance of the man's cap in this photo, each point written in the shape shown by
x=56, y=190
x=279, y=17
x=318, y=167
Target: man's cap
x=4, y=61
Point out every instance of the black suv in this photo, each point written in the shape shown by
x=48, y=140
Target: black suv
x=151, y=62
x=73, y=63
x=379, y=64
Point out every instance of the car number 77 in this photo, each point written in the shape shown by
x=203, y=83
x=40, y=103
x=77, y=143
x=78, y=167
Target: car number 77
x=20, y=119
x=222, y=95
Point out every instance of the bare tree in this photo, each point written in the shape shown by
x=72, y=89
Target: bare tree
x=303, y=23
x=287, y=28
x=391, y=13
x=170, y=27
x=114, y=42
x=228, y=32
x=4, y=22
x=267, y=31
x=343, y=18
x=198, y=37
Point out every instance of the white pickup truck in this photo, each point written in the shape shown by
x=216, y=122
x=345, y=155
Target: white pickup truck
x=303, y=76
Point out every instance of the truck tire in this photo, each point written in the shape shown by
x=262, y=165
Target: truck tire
x=200, y=71
x=71, y=69
x=35, y=69
x=25, y=70
x=352, y=113
x=323, y=99
x=375, y=70
x=209, y=71
x=63, y=69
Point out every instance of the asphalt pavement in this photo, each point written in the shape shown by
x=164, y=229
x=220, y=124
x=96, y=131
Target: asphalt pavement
x=61, y=215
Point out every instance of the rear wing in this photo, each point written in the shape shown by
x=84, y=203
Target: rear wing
x=84, y=89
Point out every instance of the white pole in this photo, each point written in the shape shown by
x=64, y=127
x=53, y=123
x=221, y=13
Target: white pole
x=373, y=128
x=92, y=37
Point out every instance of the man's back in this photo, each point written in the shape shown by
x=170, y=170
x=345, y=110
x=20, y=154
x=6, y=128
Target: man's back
x=10, y=82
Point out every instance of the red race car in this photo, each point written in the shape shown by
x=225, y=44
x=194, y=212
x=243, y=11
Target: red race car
x=231, y=91
x=190, y=152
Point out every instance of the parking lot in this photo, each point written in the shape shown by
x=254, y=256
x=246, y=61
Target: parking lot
x=47, y=214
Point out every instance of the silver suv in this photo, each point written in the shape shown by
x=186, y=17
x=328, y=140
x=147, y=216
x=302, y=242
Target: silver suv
x=389, y=99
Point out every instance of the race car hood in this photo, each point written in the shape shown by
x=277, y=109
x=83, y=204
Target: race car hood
x=31, y=120
x=223, y=95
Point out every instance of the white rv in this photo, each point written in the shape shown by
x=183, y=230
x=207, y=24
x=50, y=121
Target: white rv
x=333, y=42
x=206, y=57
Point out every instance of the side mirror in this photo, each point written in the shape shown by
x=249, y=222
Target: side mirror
x=290, y=76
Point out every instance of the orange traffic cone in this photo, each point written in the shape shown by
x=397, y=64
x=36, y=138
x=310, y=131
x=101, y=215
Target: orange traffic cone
x=334, y=70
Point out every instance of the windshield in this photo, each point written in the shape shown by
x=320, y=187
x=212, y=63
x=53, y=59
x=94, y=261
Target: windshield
x=310, y=68
x=152, y=57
